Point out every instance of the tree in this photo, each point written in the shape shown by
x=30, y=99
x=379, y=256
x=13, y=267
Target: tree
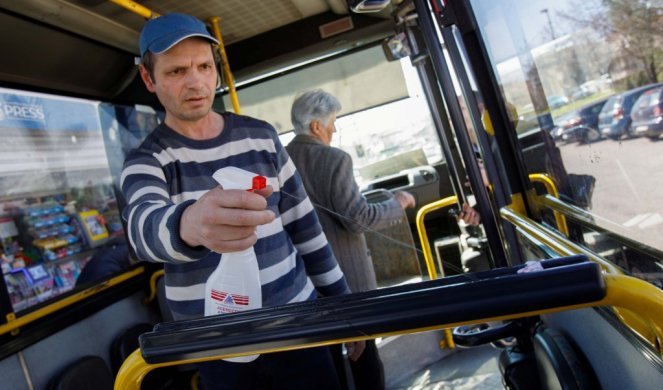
x=635, y=26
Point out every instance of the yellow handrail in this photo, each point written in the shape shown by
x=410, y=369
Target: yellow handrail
x=428, y=254
x=14, y=323
x=136, y=8
x=421, y=228
x=423, y=237
x=153, y=285
x=214, y=21
x=552, y=240
x=646, y=300
x=622, y=291
x=552, y=190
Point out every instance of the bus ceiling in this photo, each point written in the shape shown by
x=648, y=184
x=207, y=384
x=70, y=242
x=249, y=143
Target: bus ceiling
x=86, y=47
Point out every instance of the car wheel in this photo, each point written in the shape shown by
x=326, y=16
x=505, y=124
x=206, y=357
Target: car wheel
x=591, y=135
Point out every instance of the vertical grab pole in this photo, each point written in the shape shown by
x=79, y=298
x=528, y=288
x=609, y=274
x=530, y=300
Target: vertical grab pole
x=136, y=8
x=214, y=21
x=448, y=341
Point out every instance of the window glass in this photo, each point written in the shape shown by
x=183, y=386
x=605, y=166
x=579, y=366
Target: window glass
x=60, y=223
x=391, y=137
x=553, y=60
x=357, y=79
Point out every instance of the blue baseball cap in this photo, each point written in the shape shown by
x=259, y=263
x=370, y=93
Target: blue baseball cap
x=162, y=33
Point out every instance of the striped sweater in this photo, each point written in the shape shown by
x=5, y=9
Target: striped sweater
x=168, y=172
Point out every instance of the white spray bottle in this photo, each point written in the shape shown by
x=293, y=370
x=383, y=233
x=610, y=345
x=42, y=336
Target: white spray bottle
x=235, y=284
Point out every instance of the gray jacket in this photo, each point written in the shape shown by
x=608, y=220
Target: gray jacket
x=330, y=184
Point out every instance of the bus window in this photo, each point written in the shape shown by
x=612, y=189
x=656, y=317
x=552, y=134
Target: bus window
x=387, y=139
x=356, y=79
x=394, y=112
x=385, y=125
x=571, y=71
x=60, y=206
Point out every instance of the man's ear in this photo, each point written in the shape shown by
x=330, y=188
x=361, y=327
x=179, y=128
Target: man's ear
x=147, y=79
x=314, y=127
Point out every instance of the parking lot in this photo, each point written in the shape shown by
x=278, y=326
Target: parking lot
x=628, y=195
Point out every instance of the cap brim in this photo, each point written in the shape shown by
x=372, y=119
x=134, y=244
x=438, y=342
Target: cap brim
x=164, y=44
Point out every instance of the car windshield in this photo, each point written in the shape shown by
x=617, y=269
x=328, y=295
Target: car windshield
x=648, y=98
x=612, y=104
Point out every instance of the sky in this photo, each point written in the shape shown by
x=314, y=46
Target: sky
x=499, y=21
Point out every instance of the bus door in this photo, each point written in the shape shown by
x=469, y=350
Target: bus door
x=540, y=70
x=451, y=84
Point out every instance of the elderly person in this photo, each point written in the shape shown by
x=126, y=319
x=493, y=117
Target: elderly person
x=344, y=213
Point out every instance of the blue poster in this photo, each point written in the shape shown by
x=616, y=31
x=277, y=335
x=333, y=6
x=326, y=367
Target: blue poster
x=24, y=110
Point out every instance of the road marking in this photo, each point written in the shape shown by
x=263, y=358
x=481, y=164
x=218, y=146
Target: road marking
x=644, y=221
x=654, y=220
x=636, y=220
x=628, y=181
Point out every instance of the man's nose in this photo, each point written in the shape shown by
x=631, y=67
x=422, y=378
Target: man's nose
x=194, y=78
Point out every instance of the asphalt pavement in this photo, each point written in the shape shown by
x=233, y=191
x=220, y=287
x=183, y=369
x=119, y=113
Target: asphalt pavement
x=628, y=197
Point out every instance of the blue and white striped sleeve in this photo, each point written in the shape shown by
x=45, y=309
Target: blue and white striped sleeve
x=152, y=219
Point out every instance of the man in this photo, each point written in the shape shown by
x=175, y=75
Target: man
x=344, y=213
x=178, y=215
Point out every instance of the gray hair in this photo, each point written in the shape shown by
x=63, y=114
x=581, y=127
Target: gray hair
x=313, y=105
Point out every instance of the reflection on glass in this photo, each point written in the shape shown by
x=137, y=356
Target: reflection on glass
x=390, y=138
x=58, y=204
x=573, y=70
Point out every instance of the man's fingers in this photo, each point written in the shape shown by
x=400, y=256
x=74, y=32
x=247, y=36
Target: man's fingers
x=224, y=246
x=226, y=233
x=237, y=217
x=265, y=192
x=237, y=199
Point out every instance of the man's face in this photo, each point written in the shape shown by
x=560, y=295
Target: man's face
x=184, y=79
x=325, y=133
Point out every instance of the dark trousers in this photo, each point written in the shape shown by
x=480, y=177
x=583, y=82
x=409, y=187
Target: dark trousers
x=311, y=368
x=367, y=373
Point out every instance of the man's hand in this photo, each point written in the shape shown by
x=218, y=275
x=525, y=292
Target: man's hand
x=406, y=199
x=469, y=215
x=226, y=220
x=355, y=349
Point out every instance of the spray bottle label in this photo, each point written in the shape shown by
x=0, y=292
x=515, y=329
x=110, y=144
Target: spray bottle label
x=225, y=302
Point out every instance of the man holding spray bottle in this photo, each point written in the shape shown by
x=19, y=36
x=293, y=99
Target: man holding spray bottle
x=178, y=214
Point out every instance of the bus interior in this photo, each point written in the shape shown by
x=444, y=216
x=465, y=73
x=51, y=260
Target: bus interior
x=478, y=102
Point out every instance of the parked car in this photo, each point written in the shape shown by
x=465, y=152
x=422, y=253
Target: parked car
x=580, y=125
x=647, y=114
x=556, y=101
x=615, y=117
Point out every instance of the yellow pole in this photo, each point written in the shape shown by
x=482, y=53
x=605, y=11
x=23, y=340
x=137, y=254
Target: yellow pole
x=423, y=237
x=136, y=8
x=448, y=340
x=14, y=323
x=560, y=219
x=153, y=285
x=214, y=21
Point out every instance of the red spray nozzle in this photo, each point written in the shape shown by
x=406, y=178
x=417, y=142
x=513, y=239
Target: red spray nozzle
x=258, y=183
